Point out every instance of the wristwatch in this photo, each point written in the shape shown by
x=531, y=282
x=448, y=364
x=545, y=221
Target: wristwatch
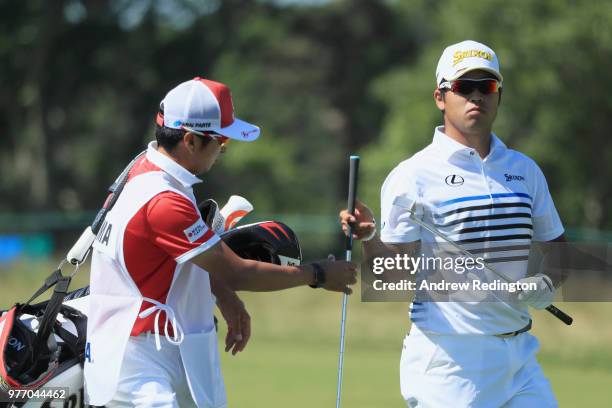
x=319, y=275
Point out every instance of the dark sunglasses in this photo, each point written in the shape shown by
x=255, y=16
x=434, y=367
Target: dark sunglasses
x=485, y=86
x=222, y=140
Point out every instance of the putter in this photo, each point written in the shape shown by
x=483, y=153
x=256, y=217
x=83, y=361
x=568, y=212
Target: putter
x=411, y=207
x=352, y=193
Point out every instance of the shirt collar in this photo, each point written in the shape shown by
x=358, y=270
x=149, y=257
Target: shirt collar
x=184, y=176
x=449, y=146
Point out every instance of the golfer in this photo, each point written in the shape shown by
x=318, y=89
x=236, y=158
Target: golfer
x=490, y=199
x=151, y=338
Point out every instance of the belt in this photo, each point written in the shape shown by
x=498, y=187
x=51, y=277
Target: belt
x=515, y=333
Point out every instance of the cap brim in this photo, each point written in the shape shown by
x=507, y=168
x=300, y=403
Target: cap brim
x=461, y=73
x=240, y=130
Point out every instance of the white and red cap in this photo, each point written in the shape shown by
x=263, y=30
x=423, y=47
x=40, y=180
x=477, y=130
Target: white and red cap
x=203, y=105
x=461, y=58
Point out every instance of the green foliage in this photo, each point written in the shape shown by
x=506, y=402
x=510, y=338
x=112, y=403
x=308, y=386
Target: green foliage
x=555, y=57
x=81, y=82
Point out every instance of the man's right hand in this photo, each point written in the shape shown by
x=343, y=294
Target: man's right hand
x=245, y=274
x=362, y=221
x=338, y=275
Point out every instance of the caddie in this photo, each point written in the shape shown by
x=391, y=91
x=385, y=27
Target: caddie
x=492, y=200
x=158, y=270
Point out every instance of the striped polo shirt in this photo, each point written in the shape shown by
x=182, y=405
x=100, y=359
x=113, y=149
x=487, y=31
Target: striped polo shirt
x=493, y=207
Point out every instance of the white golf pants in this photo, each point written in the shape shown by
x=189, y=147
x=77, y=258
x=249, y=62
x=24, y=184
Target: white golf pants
x=151, y=378
x=475, y=371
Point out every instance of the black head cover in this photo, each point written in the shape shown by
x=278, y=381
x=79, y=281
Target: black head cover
x=267, y=241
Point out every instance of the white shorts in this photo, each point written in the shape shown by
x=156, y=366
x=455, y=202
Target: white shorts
x=151, y=378
x=476, y=371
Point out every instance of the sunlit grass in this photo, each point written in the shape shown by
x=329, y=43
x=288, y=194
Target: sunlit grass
x=292, y=358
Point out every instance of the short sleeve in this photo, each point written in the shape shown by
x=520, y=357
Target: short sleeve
x=177, y=228
x=396, y=227
x=546, y=222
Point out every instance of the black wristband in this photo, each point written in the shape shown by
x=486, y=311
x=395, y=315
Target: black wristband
x=319, y=275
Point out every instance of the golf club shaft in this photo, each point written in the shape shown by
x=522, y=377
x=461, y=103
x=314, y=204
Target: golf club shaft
x=555, y=311
x=114, y=191
x=352, y=193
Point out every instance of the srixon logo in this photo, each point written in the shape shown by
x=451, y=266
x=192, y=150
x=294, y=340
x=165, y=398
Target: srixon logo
x=16, y=344
x=510, y=177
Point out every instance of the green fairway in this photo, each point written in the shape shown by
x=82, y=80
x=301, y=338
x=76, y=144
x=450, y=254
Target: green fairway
x=303, y=374
x=292, y=358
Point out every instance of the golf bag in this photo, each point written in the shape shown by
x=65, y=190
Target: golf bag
x=40, y=342
x=44, y=344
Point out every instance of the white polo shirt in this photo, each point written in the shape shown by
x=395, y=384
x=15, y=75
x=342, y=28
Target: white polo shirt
x=493, y=207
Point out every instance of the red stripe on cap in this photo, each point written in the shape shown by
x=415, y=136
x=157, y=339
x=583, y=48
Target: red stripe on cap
x=224, y=98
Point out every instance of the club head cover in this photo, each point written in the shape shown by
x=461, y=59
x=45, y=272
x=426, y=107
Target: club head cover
x=209, y=210
x=267, y=241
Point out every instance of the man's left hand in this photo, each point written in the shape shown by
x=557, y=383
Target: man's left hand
x=238, y=320
x=542, y=296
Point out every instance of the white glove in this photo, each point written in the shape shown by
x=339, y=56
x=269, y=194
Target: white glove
x=542, y=296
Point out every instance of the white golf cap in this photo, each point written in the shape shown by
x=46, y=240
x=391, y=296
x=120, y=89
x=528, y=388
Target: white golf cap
x=461, y=58
x=202, y=105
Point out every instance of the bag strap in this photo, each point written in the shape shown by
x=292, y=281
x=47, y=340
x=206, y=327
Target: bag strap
x=114, y=192
x=53, y=307
x=51, y=280
x=70, y=341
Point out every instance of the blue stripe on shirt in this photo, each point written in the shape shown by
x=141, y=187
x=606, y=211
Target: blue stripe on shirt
x=482, y=197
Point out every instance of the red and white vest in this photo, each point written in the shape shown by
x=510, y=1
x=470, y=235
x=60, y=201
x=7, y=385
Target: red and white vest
x=116, y=300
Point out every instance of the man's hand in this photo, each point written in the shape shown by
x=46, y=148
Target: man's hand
x=339, y=275
x=228, y=270
x=542, y=296
x=362, y=222
x=237, y=318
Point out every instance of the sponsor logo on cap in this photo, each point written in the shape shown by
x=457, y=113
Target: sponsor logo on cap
x=178, y=123
x=246, y=133
x=459, y=56
x=196, y=231
x=197, y=124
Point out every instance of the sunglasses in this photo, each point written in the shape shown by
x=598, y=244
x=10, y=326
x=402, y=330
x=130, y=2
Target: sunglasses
x=222, y=140
x=485, y=86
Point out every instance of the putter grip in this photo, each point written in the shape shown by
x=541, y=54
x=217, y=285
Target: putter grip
x=560, y=314
x=352, y=194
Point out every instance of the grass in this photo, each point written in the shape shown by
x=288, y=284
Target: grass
x=292, y=358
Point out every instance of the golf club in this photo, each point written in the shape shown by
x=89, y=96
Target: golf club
x=411, y=207
x=352, y=193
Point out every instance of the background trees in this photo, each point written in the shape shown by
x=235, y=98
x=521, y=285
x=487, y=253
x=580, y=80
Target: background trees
x=80, y=83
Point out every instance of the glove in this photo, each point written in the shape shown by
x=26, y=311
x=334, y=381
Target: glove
x=542, y=296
